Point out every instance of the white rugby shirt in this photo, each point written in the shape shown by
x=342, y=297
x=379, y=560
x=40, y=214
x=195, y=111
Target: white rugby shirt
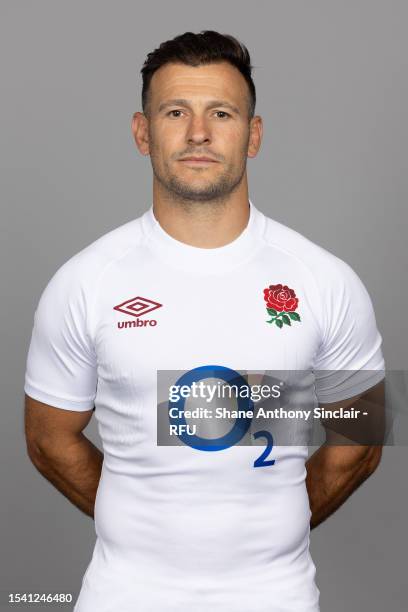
x=179, y=528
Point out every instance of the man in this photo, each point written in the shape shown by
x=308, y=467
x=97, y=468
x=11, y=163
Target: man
x=202, y=277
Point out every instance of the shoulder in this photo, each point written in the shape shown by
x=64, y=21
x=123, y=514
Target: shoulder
x=321, y=264
x=108, y=248
x=77, y=277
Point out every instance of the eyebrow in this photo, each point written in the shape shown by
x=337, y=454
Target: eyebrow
x=211, y=104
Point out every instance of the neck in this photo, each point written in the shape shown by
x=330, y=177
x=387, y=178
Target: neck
x=202, y=224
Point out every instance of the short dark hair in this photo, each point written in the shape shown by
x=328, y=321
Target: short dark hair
x=207, y=47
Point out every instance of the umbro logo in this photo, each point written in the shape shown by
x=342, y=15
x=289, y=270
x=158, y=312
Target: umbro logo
x=137, y=307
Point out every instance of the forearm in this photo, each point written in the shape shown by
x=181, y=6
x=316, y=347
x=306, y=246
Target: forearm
x=333, y=473
x=74, y=468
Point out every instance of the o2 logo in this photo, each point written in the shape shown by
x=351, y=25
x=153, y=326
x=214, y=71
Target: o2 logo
x=241, y=425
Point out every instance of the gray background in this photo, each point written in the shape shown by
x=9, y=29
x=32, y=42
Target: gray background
x=332, y=89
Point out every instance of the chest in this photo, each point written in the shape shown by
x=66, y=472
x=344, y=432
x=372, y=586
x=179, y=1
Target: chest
x=148, y=321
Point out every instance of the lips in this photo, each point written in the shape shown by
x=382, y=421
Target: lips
x=198, y=159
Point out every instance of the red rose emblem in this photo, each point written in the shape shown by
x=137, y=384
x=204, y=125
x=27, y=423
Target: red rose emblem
x=281, y=298
x=281, y=304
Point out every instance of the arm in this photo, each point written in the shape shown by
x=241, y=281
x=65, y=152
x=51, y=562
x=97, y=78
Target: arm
x=335, y=471
x=61, y=453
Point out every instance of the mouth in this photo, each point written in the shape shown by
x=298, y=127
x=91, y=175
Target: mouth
x=198, y=161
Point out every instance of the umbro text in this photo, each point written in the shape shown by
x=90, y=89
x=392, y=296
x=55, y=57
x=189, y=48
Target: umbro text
x=137, y=323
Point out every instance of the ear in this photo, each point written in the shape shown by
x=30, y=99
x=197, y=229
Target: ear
x=255, y=135
x=140, y=132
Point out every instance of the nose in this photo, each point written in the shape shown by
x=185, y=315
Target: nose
x=198, y=131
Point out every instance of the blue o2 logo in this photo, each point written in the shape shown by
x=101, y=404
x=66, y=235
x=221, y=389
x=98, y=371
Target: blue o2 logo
x=241, y=424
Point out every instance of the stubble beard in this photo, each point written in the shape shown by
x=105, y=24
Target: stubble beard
x=217, y=190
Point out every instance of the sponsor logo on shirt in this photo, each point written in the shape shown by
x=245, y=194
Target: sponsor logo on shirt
x=281, y=304
x=137, y=307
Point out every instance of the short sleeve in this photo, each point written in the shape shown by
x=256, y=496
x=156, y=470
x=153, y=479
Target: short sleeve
x=349, y=360
x=61, y=362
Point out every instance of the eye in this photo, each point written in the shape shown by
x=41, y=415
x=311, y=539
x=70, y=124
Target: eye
x=174, y=111
x=223, y=113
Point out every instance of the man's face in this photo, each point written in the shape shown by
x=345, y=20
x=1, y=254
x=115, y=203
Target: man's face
x=198, y=111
